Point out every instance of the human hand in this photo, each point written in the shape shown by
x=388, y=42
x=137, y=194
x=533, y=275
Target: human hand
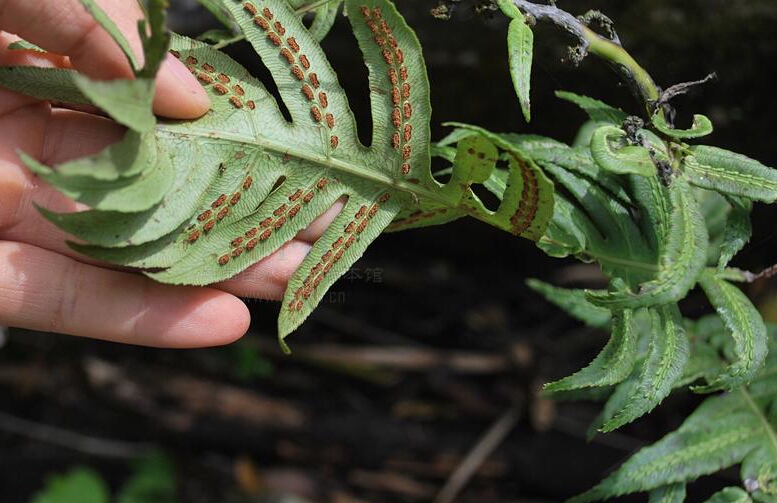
x=46, y=286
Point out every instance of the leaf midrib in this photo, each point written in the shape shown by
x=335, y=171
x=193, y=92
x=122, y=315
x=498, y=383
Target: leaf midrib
x=329, y=162
x=768, y=429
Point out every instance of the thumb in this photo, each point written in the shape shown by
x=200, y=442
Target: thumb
x=65, y=27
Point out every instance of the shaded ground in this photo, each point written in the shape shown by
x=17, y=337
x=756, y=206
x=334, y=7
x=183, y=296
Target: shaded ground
x=432, y=337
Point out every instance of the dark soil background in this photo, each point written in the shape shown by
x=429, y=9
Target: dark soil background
x=431, y=338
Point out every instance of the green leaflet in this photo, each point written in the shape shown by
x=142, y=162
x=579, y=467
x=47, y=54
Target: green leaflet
x=746, y=326
x=126, y=194
x=729, y=173
x=736, y=233
x=719, y=434
x=759, y=471
x=667, y=355
x=520, y=46
x=730, y=495
x=525, y=192
x=53, y=84
x=672, y=493
x=612, y=365
x=573, y=302
x=597, y=110
x=79, y=484
x=126, y=101
x=610, y=152
x=23, y=45
x=701, y=126
x=681, y=262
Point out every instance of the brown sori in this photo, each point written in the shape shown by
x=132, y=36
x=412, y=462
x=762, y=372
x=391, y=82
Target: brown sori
x=395, y=140
x=223, y=212
x=407, y=132
x=400, y=55
x=365, y=11
x=194, y=236
x=287, y=55
x=403, y=72
x=279, y=28
x=267, y=13
x=388, y=57
x=362, y=211
x=274, y=38
x=339, y=254
x=321, y=183
x=303, y=60
x=334, y=141
x=250, y=104
x=313, y=78
x=308, y=92
x=308, y=197
x=395, y=96
x=396, y=118
x=223, y=260
x=392, y=41
x=209, y=225
x=296, y=195
x=248, y=182
x=293, y=44
x=251, y=8
x=385, y=197
x=297, y=72
x=405, y=169
x=322, y=98
x=251, y=232
x=223, y=78
x=406, y=90
x=238, y=90
x=266, y=222
x=191, y=60
x=279, y=223
x=294, y=210
x=219, y=201
x=236, y=242
x=262, y=23
x=393, y=76
x=319, y=279
x=316, y=113
x=205, y=78
x=330, y=121
x=373, y=210
x=251, y=244
x=406, y=152
x=279, y=210
x=236, y=102
x=337, y=243
x=220, y=88
x=349, y=228
x=265, y=235
x=235, y=198
x=408, y=109
x=362, y=226
x=350, y=242
x=204, y=216
x=385, y=27
x=176, y=54
x=327, y=256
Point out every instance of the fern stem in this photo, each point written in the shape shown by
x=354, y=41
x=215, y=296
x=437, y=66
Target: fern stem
x=764, y=422
x=228, y=41
x=608, y=49
x=311, y=7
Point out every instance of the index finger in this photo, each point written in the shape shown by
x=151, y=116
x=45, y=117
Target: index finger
x=65, y=27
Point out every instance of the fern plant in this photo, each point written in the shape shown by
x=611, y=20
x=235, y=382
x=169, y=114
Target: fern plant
x=196, y=202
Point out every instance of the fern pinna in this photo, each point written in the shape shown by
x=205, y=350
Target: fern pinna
x=196, y=202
